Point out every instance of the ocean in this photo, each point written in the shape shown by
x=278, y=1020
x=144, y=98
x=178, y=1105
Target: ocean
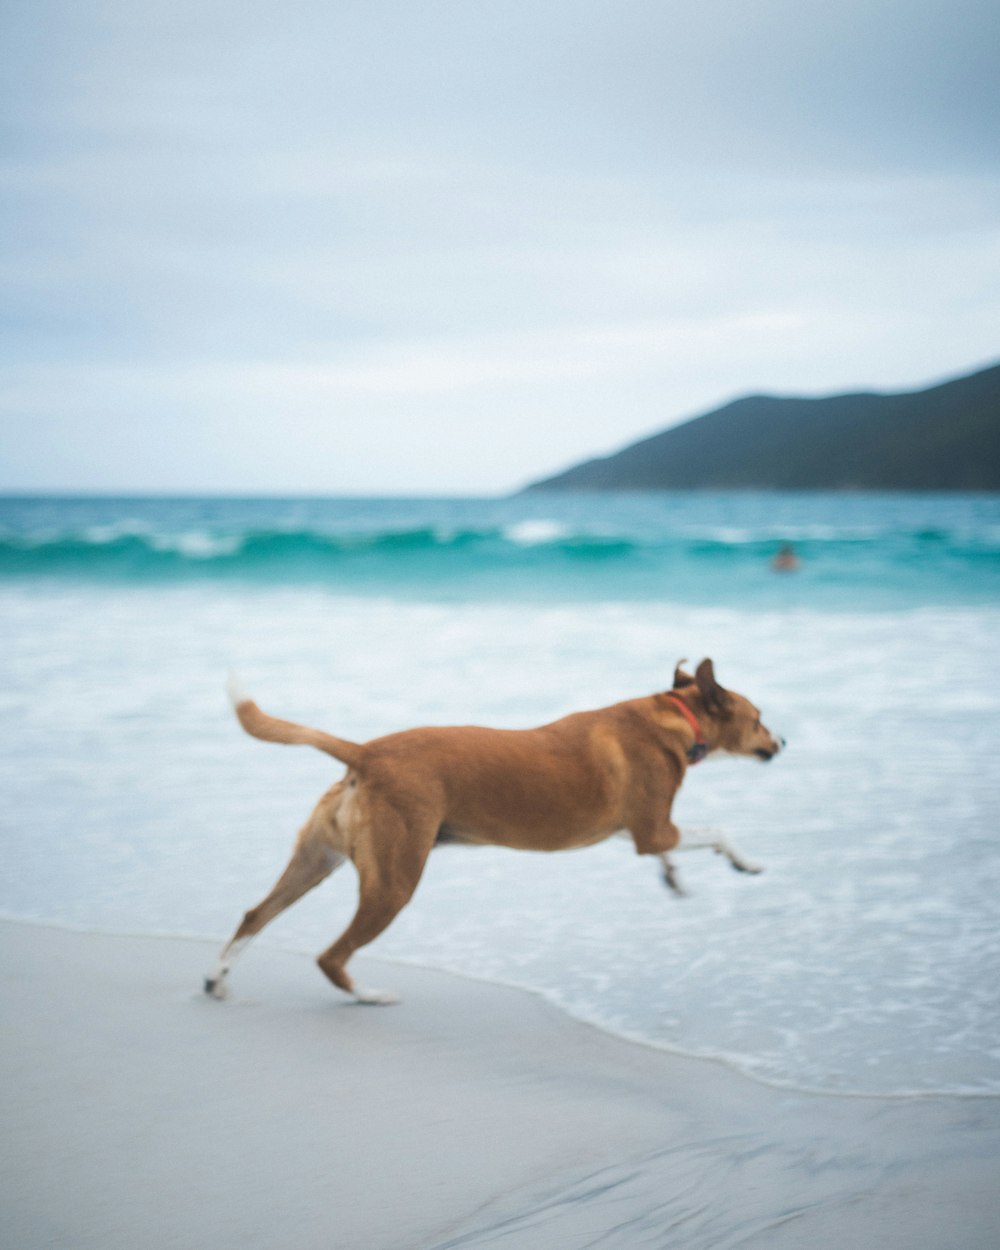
x=864, y=960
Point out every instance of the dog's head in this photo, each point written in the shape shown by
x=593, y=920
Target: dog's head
x=735, y=724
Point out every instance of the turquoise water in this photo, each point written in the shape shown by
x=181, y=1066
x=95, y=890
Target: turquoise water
x=865, y=959
x=698, y=547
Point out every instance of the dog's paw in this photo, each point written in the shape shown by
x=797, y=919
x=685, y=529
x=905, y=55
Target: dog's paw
x=215, y=987
x=743, y=865
x=671, y=879
x=375, y=998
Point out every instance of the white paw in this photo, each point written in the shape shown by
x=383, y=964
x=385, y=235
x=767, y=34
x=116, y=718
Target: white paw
x=375, y=998
x=215, y=987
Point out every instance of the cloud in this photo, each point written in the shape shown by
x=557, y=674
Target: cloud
x=592, y=217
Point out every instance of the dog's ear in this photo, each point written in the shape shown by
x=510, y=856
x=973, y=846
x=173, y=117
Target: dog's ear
x=716, y=699
x=682, y=679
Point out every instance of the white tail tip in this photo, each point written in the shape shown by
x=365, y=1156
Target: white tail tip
x=234, y=688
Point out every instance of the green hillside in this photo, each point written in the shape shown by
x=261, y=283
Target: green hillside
x=944, y=438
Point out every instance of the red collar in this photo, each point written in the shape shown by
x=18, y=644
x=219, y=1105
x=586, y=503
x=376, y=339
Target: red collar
x=699, y=750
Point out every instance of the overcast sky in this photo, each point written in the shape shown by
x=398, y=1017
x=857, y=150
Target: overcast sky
x=362, y=246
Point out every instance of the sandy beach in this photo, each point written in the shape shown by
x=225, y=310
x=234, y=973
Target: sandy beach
x=139, y=1112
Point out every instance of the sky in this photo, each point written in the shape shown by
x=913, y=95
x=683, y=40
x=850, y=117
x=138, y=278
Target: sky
x=381, y=247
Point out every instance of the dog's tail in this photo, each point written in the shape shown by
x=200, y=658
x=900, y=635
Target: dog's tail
x=269, y=728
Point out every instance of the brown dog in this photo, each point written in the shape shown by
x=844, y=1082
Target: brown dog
x=572, y=783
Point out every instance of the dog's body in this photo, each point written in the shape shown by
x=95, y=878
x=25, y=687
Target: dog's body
x=568, y=784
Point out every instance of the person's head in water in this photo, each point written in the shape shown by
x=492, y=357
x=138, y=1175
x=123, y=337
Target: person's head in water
x=786, y=561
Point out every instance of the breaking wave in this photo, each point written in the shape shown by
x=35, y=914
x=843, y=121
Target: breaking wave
x=136, y=550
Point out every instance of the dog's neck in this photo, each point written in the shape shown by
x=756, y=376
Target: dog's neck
x=700, y=747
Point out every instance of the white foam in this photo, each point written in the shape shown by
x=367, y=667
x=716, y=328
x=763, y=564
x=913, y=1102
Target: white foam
x=104, y=535
x=533, y=533
x=197, y=544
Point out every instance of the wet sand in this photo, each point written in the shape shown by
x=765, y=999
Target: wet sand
x=138, y=1112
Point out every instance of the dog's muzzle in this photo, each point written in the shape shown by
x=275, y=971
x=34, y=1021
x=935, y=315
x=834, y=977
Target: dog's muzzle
x=767, y=756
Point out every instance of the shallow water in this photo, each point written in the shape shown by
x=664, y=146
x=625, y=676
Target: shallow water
x=863, y=960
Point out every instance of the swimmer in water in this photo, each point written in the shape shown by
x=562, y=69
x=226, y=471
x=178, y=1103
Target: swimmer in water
x=786, y=561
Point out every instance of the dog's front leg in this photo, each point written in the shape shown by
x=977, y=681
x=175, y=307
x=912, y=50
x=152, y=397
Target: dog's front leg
x=670, y=876
x=707, y=838
x=659, y=837
x=703, y=838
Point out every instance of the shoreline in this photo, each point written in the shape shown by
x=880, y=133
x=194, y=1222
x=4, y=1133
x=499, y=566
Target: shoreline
x=390, y=962
x=472, y=1115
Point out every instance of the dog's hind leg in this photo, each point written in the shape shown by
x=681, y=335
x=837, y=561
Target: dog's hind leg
x=377, y=908
x=386, y=884
x=312, y=861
